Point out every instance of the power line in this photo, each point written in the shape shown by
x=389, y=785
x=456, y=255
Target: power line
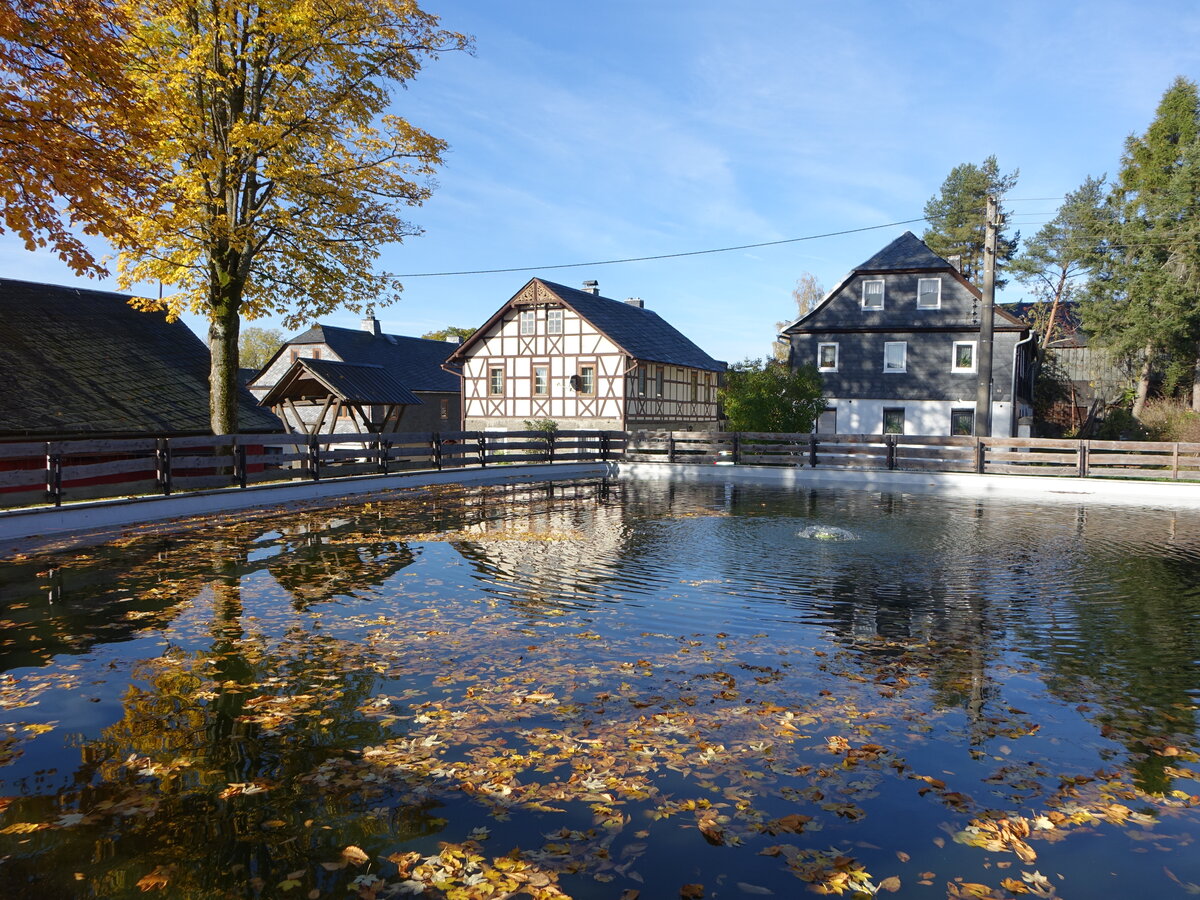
x=632, y=259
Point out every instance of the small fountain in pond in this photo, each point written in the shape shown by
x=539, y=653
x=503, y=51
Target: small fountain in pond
x=826, y=533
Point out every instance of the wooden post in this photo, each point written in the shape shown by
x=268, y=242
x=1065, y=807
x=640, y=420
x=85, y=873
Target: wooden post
x=239, y=462
x=980, y=456
x=53, y=474
x=890, y=440
x=383, y=447
x=1083, y=459
x=314, y=458
x=436, y=440
x=983, y=393
x=670, y=447
x=1175, y=463
x=737, y=447
x=605, y=448
x=482, y=450
x=812, y=451
x=163, y=458
x=550, y=446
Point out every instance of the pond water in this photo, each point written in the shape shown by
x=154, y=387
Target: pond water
x=610, y=691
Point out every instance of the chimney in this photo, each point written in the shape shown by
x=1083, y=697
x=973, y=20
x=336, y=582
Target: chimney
x=371, y=324
x=956, y=261
x=591, y=287
x=636, y=301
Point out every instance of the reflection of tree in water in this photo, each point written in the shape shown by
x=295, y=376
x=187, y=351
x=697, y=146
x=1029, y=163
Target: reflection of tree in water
x=196, y=783
x=322, y=564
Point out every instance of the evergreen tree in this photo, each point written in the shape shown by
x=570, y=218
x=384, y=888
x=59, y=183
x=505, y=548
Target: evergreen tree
x=957, y=217
x=1146, y=305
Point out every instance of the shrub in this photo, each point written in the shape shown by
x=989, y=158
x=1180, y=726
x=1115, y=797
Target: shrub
x=1171, y=420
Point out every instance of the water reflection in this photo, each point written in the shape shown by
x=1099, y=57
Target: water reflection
x=580, y=663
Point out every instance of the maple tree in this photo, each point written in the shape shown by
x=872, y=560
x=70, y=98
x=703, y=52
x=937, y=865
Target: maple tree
x=283, y=168
x=71, y=125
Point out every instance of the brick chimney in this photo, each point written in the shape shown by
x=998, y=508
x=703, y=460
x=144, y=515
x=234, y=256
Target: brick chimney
x=371, y=324
x=591, y=287
x=636, y=301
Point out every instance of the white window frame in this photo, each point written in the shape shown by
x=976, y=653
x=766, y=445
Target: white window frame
x=554, y=321
x=882, y=290
x=836, y=353
x=903, y=367
x=938, y=303
x=954, y=366
x=541, y=387
x=528, y=319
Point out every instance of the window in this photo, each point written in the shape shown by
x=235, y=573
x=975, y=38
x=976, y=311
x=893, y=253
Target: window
x=554, y=321
x=541, y=379
x=895, y=356
x=962, y=422
x=827, y=357
x=659, y=377
x=528, y=321
x=827, y=421
x=695, y=385
x=445, y=409
x=893, y=420
x=496, y=381
x=641, y=381
x=964, y=357
x=872, y=297
x=929, y=293
x=585, y=381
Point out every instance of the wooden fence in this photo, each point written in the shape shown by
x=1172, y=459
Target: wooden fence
x=34, y=473
x=897, y=452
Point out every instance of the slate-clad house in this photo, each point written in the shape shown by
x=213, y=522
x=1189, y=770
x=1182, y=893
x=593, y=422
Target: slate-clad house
x=897, y=344
x=81, y=363
x=330, y=379
x=585, y=361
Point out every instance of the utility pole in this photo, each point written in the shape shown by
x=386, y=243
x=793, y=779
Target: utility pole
x=983, y=394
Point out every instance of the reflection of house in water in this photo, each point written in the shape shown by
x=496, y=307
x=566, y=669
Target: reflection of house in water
x=342, y=558
x=562, y=548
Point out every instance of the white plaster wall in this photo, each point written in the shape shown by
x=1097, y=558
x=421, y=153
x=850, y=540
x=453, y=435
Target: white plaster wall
x=921, y=417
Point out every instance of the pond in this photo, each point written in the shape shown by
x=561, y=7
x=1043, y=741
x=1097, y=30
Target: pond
x=610, y=690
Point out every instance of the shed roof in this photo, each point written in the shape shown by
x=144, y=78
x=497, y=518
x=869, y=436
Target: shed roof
x=355, y=383
x=415, y=362
x=84, y=363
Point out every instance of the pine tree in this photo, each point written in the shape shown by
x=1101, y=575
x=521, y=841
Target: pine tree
x=957, y=217
x=1146, y=306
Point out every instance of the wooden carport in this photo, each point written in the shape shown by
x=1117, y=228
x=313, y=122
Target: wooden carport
x=373, y=399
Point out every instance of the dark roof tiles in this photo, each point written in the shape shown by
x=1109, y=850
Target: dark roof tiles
x=79, y=362
x=640, y=332
x=906, y=252
x=414, y=362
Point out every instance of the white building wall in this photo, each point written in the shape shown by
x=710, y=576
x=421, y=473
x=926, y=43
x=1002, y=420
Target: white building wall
x=921, y=417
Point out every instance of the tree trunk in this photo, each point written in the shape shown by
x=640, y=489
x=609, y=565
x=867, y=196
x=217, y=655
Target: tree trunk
x=1143, y=386
x=224, y=325
x=1196, y=382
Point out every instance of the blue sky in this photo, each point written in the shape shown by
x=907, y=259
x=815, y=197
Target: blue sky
x=593, y=131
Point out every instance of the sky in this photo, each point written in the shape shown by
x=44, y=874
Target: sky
x=598, y=131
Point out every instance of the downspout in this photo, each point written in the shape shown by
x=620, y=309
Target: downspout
x=1012, y=426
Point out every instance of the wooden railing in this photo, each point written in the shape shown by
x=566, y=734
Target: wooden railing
x=895, y=452
x=36, y=473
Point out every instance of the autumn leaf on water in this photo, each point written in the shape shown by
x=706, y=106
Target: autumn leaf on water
x=354, y=855
x=691, y=892
x=891, y=884
x=793, y=824
x=156, y=880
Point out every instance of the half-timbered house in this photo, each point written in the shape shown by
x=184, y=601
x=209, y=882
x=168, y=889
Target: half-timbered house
x=585, y=362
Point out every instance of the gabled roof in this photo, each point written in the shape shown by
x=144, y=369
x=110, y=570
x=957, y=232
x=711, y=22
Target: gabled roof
x=640, y=332
x=415, y=362
x=80, y=363
x=366, y=385
x=905, y=253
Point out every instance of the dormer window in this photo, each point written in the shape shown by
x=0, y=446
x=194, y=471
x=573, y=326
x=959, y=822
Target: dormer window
x=929, y=293
x=872, y=295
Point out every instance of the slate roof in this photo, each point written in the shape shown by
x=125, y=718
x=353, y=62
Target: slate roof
x=906, y=252
x=415, y=362
x=353, y=382
x=83, y=363
x=640, y=332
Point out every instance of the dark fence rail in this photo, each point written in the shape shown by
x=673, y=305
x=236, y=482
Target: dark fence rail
x=51, y=472
x=897, y=452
